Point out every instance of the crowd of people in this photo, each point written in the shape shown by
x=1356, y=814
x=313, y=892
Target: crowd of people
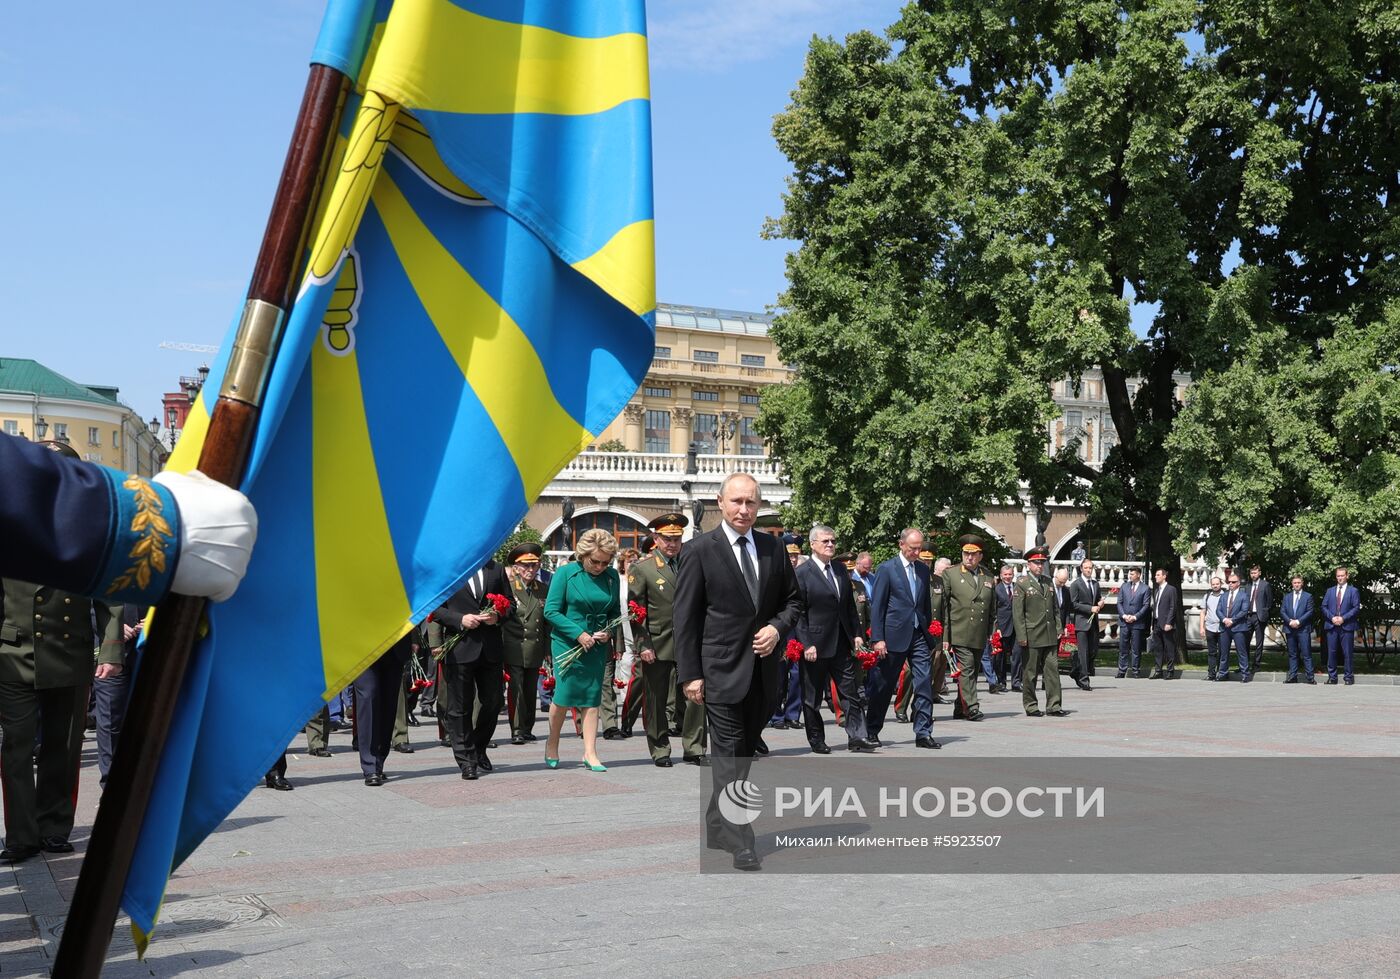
x=710, y=641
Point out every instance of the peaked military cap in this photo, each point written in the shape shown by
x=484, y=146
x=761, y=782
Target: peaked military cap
x=1038, y=554
x=970, y=542
x=669, y=524
x=525, y=554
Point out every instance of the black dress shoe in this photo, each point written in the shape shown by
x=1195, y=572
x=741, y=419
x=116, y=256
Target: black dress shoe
x=820, y=748
x=484, y=763
x=699, y=761
x=411, y=719
x=747, y=859
x=1292, y=679
x=1331, y=681
x=1247, y=678
x=319, y=753
x=18, y=854
x=445, y=742
x=529, y=737
x=1310, y=682
x=993, y=689
x=1211, y=677
x=674, y=730
x=1119, y=675
x=761, y=748
x=901, y=717
x=1083, y=683
x=58, y=844
x=938, y=700
x=1155, y=675
x=517, y=739
x=975, y=715
x=1057, y=713
x=926, y=742
x=375, y=779
x=1034, y=713
x=490, y=744
x=470, y=773
x=1349, y=681
x=861, y=744
x=405, y=748
x=662, y=762
x=612, y=734
x=275, y=781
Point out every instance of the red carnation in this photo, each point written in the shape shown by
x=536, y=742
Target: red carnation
x=430, y=616
x=496, y=603
x=867, y=658
x=620, y=684
x=547, y=683
x=996, y=642
x=637, y=612
x=793, y=652
x=1069, y=630
x=543, y=671
x=935, y=628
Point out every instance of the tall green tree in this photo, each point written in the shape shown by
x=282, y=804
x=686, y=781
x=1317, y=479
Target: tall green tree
x=979, y=198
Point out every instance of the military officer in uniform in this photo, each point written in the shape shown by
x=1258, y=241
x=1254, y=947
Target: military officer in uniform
x=1038, y=619
x=969, y=605
x=526, y=637
x=651, y=583
x=46, y=667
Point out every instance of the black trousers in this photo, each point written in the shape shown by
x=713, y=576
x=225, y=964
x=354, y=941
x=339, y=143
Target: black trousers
x=376, y=704
x=464, y=684
x=110, y=697
x=1088, y=649
x=816, y=678
x=734, y=732
x=524, y=690
x=39, y=800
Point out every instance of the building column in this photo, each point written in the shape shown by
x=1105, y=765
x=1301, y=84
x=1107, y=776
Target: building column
x=1029, y=511
x=680, y=429
x=632, y=416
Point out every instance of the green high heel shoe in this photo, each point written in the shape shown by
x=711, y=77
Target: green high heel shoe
x=595, y=768
x=551, y=762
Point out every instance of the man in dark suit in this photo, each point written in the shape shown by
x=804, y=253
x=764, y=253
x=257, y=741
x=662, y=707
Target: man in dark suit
x=111, y=683
x=899, y=618
x=830, y=633
x=1164, y=625
x=1132, y=624
x=1297, y=609
x=996, y=667
x=1236, y=626
x=471, y=668
x=376, y=703
x=1088, y=602
x=736, y=594
x=1261, y=603
x=1341, y=608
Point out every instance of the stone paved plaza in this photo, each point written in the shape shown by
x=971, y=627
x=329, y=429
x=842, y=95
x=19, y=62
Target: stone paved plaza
x=529, y=871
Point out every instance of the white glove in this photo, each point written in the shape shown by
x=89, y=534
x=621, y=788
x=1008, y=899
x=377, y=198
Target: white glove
x=217, y=529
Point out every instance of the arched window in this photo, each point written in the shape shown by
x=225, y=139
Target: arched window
x=629, y=532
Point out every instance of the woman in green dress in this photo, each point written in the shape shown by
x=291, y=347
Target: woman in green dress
x=584, y=597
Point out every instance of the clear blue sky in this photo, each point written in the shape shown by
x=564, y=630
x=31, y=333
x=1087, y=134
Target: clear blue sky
x=142, y=144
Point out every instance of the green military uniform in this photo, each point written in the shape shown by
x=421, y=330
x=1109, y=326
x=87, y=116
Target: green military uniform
x=526, y=638
x=1037, y=617
x=651, y=583
x=47, y=645
x=969, y=608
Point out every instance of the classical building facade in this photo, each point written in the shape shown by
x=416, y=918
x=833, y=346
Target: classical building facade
x=39, y=403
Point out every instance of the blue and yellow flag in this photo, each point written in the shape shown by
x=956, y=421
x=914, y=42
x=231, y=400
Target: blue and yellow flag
x=477, y=306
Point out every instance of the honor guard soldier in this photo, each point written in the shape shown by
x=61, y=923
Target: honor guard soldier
x=652, y=585
x=1038, y=634
x=526, y=638
x=969, y=606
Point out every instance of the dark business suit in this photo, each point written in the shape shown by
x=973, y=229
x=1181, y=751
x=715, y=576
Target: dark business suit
x=1133, y=599
x=1163, y=615
x=110, y=694
x=1340, y=638
x=830, y=623
x=1235, y=607
x=899, y=617
x=996, y=668
x=715, y=617
x=1261, y=603
x=471, y=669
x=1298, y=605
x=1085, y=594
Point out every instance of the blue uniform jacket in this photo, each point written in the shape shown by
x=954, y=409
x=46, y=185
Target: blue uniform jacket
x=83, y=528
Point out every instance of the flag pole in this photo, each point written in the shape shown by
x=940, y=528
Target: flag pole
x=156, y=690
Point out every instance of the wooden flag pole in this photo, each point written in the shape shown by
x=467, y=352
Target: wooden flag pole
x=158, y=682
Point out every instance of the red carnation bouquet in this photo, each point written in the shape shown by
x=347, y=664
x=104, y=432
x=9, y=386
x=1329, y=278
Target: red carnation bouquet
x=637, y=613
x=494, y=603
x=793, y=651
x=417, y=676
x=867, y=658
x=935, y=628
x=996, y=643
x=547, y=683
x=1069, y=642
